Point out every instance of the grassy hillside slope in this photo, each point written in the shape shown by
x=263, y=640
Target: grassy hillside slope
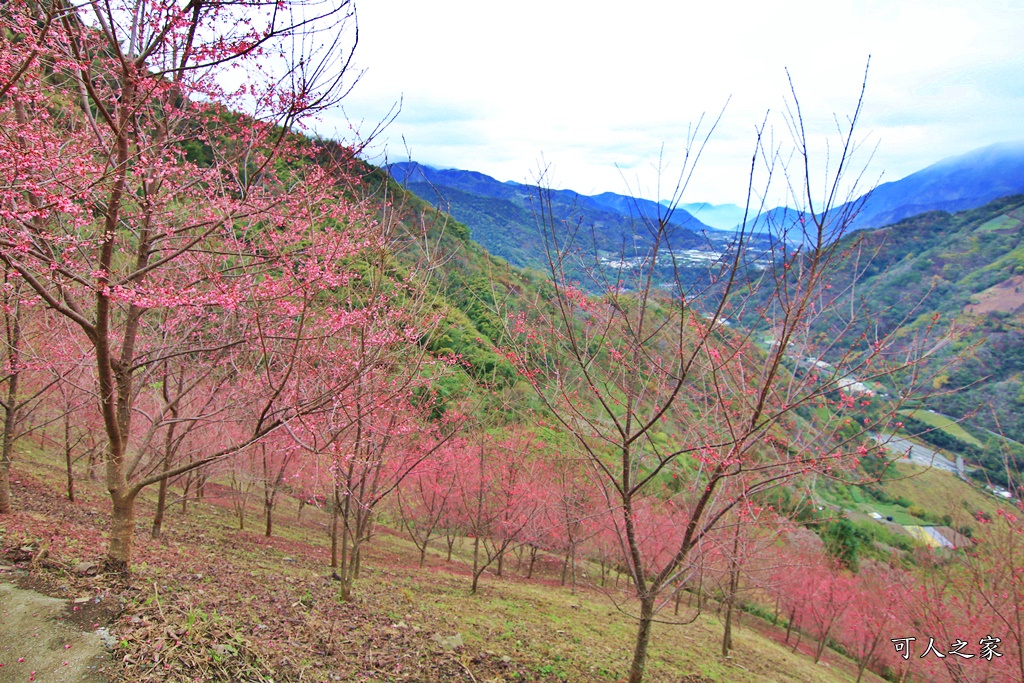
x=964, y=271
x=211, y=602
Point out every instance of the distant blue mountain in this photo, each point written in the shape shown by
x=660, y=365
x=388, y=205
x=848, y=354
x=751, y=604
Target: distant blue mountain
x=718, y=216
x=953, y=184
x=502, y=217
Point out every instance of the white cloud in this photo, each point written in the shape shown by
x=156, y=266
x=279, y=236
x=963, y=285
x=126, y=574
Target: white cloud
x=493, y=86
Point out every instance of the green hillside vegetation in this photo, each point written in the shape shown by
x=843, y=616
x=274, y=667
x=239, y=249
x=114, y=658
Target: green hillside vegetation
x=944, y=424
x=962, y=273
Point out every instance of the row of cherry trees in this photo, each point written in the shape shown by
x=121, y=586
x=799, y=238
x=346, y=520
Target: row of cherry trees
x=186, y=280
x=506, y=492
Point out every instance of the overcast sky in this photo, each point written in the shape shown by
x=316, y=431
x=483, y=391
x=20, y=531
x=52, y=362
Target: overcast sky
x=597, y=88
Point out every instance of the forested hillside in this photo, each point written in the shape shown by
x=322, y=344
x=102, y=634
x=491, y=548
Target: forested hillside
x=965, y=270
x=503, y=217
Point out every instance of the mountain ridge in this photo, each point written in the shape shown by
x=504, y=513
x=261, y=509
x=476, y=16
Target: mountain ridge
x=952, y=184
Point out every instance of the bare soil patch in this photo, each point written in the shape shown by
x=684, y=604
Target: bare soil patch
x=1007, y=296
x=38, y=642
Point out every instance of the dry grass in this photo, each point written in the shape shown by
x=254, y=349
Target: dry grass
x=941, y=493
x=212, y=602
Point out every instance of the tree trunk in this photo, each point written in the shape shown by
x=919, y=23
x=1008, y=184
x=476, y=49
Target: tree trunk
x=533, y=558
x=184, y=493
x=476, y=562
x=643, y=639
x=335, y=512
x=169, y=449
x=727, y=633
x=450, y=541
x=10, y=417
x=572, y=571
x=122, y=528
x=94, y=455
x=5, y=486
x=161, y=504
x=12, y=318
x=68, y=460
x=345, y=568
x=821, y=644
x=268, y=508
x=734, y=582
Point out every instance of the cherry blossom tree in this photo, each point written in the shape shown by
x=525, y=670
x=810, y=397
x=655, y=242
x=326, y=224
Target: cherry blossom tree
x=652, y=379
x=868, y=624
x=23, y=380
x=498, y=494
x=134, y=199
x=426, y=499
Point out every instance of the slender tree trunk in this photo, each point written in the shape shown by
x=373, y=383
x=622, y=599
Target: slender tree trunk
x=68, y=460
x=727, y=633
x=734, y=581
x=476, y=562
x=335, y=513
x=161, y=497
x=643, y=639
x=10, y=420
x=572, y=570
x=5, y=486
x=184, y=493
x=533, y=558
x=268, y=510
x=345, y=568
x=161, y=504
x=450, y=541
x=94, y=455
x=821, y=644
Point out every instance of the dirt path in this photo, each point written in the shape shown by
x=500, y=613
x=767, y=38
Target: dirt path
x=37, y=644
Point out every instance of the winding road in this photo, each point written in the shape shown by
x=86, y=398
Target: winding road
x=917, y=453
